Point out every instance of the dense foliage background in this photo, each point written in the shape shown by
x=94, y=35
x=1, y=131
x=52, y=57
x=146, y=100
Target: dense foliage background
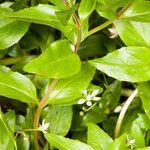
x=74, y=74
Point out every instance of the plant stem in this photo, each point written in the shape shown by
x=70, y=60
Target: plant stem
x=11, y=61
x=79, y=32
x=100, y=27
x=123, y=111
x=119, y=14
x=78, y=24
x=44, y=100
x=38, y=112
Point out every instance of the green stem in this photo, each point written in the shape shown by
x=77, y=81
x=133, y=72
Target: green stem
x=100, y=27
x=123, y=111
x=78, y=24
x=11, y=61
x=38, y=112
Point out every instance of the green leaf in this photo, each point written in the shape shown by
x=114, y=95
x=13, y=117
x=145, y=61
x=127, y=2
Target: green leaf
x=54, y=61
x=7, y=139
x=143, y=122
x=63, y=143
x=17, y=86
x=144, y=94
x=138, y=11
x=44, y=14
x=95, y=115
x=105, y=12
x=107, y=8
x=126, y=64
x=60, y=4
x=59, y=118
x=141, y=32
x=86, y=8
x=119, y=143
x=97, y=138
x=65, y=15
x=136, y=134
x=68, y=90
x=111, y=96
x=11, y=32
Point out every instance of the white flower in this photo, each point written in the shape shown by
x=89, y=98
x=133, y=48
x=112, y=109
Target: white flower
x=88, y=98
x=43, y=127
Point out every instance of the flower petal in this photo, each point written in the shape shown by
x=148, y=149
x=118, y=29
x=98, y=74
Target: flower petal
x=94, y=93
x=96, y=98
x=81, y=101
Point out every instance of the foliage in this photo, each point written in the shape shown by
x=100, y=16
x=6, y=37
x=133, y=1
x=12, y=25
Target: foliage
x=74, y=74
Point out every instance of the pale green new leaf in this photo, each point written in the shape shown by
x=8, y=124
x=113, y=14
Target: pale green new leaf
x=57, y=61
x=17, y=86
x=133, y=33
x=63, y=143
x=68, y=90
x=59, y=118
x=126, y=64
x=138, y=11
x=97, y=138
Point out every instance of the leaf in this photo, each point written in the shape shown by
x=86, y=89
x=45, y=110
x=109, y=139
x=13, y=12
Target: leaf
x=97, y=138
x=43, y=14
x=68, y=90
x=143, y=122
x=54, y=61
x=141, y=32
x=138, y=11
x=95, y=115
x=61, y=4
x=119, y=143
x=136, y=134
x=86, y=8
x=63, y=143
x=17, y=86
x=107, y=8
x=143, y=91
x=126, y=64
x=111, y=96
x=65, y=15
x=11, y=33
x=59, y=118
x=7, y=139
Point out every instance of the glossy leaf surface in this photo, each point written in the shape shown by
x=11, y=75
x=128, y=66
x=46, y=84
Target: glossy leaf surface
x=17, y=86
x=126, y=64
x=63, y=143
x=68, y=90
x=57, y=61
